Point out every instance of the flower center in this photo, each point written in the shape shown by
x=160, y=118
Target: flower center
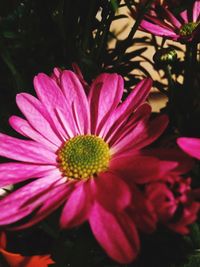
x=83, y=156
x=188, y=28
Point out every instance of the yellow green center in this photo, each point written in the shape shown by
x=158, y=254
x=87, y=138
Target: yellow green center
x=188, y=28
x=84, y=156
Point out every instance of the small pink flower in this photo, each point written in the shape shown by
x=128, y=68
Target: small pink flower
x=190, y=145
x=174, y=203
x=184, y=27
x=84, y=153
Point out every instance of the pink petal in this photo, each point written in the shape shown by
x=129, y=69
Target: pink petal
x=56, y=75
x=24, y=128
x=45, y=205
x=167, y=24
x=27, y=151
x=116, y=233
x=64, y=123
x=78, y=205
x=74, y=93
x=37, y=116
x=11, y=173
x=158, y=30
x=183, y=161
x=25, y=200
x=142, y=135
x=190, y=145
x=105, y=94
x=142, y=113
x=140, y=169
x=79, y=74
x=189, y=216
x=53, y=98
x=196, y=10
x=142, y=212
x=184, y=16
x=174, y=21
x=106, y=183
x=124, y=110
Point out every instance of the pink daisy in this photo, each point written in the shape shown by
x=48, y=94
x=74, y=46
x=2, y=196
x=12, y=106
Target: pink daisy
x=84, y=152
x=184, y=27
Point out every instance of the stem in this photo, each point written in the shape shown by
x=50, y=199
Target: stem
x=103, y=31
x=171, y=96
x=190, y=63
x=128, y=41
x=188, y=92
x=92, y=7
x=169, y=78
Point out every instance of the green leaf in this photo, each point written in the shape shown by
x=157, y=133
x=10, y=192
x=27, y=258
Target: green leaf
x=195, y=235
x=193, y=261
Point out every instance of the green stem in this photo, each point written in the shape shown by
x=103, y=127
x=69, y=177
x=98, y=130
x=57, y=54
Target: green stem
x=171, y=88
x=188, y=92
x=169, y=78
x=190, y=63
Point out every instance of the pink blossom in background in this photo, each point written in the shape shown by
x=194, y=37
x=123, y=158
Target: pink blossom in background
x=83, y=152
x=184, y=27
x=173, y=202
x=190, y=145
x=171, y=199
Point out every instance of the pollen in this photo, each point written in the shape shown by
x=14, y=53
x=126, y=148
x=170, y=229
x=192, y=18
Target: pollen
x=83, y=156
x=188, y=28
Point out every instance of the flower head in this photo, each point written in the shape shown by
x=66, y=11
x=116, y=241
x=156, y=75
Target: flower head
x=173, y=201
x=84, y=153
x=184, y=27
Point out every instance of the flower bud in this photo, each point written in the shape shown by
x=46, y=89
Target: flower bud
x=165, y=55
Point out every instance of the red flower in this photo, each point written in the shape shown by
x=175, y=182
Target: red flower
x=173, y=202
x=170, y=197
x=17, y=260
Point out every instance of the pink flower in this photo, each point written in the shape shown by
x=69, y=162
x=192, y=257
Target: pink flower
x=190, y=145
x=84, y=152
x=173, y=201
x=184, y=27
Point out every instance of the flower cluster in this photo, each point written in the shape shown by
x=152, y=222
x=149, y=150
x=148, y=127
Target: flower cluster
x=97, y=157
x=88, y=152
